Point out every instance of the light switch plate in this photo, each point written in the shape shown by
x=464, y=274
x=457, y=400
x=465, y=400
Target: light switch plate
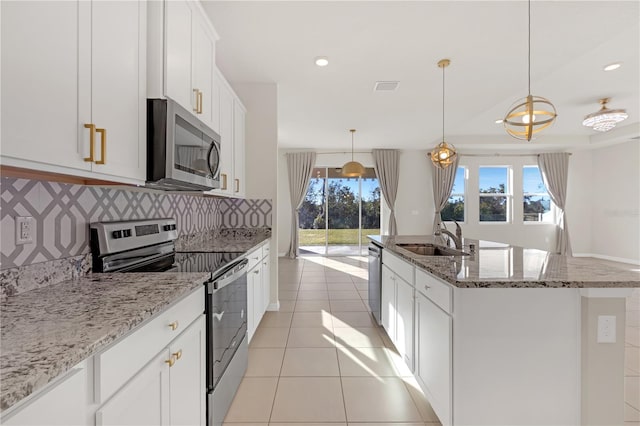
x=25, y=227
x=606, y=329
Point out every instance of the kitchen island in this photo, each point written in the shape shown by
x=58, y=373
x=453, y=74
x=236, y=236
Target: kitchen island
x=508, y=335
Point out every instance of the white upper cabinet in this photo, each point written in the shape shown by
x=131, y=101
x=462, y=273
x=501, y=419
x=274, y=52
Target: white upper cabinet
x=239, y=118
x=189, y=59
x=78, y=79
x=226, y=136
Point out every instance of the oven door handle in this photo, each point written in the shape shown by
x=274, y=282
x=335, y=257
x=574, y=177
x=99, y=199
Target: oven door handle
x=237, y=271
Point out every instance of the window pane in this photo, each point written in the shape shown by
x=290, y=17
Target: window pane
x=493, y=209
x=532, y=181
x=493, y=180
x=537, y=208
x=454, y=210
x=458, y=183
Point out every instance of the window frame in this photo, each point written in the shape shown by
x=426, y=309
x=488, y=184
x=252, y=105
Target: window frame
x=508, y=195
x=552, y=206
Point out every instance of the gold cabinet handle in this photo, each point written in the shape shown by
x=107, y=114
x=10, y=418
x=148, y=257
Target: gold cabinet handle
x=92, y=140
x=173, y=326
x=199, y=102
x=103, y=146
x=256, y=271
x=178, y=354
x=170, y=361
x=196, y=92
x=237, y=181
x=224, y=181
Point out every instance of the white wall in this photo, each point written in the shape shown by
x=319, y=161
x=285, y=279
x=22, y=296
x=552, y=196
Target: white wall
x=614, y=192
x=261, y=155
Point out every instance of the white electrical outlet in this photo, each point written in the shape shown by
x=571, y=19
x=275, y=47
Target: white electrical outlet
x=606, y=329
x=24, y=229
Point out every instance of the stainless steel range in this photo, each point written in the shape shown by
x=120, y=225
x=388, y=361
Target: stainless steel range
x=149, y=246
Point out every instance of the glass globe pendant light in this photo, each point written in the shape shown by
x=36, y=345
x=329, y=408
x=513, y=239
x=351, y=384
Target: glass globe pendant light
x=532, y=114
x=352, y=168
x=443, y=155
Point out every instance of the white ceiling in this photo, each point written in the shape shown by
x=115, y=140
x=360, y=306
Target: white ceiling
x=486, y=41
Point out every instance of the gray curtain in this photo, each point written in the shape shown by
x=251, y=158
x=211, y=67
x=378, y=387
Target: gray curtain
x=388, y=172
x=555, y=169
x=300, y=166
x=442, y=186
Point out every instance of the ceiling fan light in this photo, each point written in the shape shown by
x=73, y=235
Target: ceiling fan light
x=605, y=119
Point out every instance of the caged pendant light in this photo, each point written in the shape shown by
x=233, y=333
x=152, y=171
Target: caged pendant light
x=532, y=114
x=352, y=168
x=444, y=154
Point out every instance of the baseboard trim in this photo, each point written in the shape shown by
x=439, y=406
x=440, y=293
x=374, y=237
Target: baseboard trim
x=611, y=258
x=274, y=306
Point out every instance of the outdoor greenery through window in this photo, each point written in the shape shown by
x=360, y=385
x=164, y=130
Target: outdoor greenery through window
x=537, y=203
x=338, y=212
x=494, y=194
x=454, y=210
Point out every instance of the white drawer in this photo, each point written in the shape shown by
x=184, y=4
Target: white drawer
x=435, y=289
x=401, y=267
x=120, y=362
x=254, y=257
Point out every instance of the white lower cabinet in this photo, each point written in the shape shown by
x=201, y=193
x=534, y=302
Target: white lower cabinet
x=63, y=403
x=434, y=355
x=397, y=313
x=258, y=287
x=170, y=390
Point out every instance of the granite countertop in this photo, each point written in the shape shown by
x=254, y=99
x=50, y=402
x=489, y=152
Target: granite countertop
x=47, y=331
x=225, y=240
x=499, y=265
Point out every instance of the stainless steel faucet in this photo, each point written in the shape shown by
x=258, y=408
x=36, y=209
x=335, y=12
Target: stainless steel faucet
x=457, y=238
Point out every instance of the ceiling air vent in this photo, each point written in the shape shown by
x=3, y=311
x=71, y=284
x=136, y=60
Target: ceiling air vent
x=386, y=86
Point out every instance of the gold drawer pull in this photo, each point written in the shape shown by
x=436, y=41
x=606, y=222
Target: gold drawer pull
x=103, y=146
x=178, y=354
x=195, y=92
x=92, y=141
x=170, y=361
x=173, y=325
x=256, y=271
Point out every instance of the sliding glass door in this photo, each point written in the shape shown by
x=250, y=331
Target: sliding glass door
x=338, y=213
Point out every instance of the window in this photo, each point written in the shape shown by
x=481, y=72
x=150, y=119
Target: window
x=494, y=194
x=536, y=200
x=454, y=209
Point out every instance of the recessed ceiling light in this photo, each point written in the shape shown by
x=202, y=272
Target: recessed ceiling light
x=499, y=121
x=613, y=66
x=322, y=61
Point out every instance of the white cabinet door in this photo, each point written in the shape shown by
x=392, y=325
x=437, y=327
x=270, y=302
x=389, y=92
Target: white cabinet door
x=187, y=376
x=239, y=116
x=144, y=400
x=63, y=404
x=434, y=356
x=252, y=282
x=388, y=302
x=203, y=57
x=258, y=291
x=226, y=137
x=118, y=76
x=40, y=43
x=178, y=59
x=266, y=282
x=404, y=321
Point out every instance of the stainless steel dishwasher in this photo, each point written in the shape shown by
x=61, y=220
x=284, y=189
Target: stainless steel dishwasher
x=375, y=280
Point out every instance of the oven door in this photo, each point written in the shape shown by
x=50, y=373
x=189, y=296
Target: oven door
x=226, y=309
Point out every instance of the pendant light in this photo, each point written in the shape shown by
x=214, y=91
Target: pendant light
x=532, y=114
x=605, y=119
x=352, y=168
x=444, y=154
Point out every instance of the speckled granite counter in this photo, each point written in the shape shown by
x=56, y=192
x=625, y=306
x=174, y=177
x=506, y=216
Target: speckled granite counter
x=225, y=240
x=45, y=332
x=498, y=265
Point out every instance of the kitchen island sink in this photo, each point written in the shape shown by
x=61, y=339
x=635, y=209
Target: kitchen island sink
x=430, y=249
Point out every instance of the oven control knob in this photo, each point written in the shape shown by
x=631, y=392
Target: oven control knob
x=116, y=234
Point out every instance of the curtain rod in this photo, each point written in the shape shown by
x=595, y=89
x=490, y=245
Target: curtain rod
x=505, y=155
x=343, y=152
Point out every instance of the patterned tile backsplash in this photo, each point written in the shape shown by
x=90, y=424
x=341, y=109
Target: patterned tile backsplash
x=62, y=213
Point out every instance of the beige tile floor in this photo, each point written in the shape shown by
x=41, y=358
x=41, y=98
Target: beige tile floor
x=321, y=360
x=632, y=361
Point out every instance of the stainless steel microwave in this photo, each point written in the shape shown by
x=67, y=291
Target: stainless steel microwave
x=183, y=154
